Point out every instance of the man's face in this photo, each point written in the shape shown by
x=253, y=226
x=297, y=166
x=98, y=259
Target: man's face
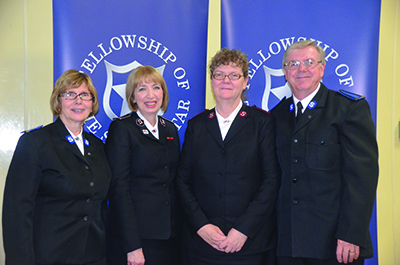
x=304, y=80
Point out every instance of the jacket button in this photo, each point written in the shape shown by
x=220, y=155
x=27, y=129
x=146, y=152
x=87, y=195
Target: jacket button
x=166, y=167
x=86, y=167
x=166, y=203
x=223, y=152
x=295, y=201
x=91, y=184
x=86, y=218
x=295, y=161
x=88, y=200
x=322, y=142
x=295, y=141
x=295, y=180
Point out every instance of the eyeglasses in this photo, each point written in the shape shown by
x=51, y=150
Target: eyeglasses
x=221, y=76
x=72, y=96
x=308, y=64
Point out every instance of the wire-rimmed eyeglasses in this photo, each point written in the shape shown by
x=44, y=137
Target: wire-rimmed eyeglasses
x=308, y=64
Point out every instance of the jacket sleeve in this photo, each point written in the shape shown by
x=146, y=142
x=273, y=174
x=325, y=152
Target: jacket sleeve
x=122, y=213
x=21, y=187
x=184, y=185
x=360, y=174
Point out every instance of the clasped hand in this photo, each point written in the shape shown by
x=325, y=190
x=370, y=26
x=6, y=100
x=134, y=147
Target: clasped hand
x=231, y=243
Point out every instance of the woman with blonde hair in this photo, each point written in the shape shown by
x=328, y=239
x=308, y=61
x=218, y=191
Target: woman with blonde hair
x=57, y=184
x=143, y=151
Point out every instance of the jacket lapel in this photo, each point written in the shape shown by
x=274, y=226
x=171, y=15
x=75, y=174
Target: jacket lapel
x=239, y=122
x=68, y=140
x=162, y=130
x=213, y=127
x=311, y=112
x=139, y=124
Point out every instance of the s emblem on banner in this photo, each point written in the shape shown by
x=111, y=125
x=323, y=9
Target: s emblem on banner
x=119, y=88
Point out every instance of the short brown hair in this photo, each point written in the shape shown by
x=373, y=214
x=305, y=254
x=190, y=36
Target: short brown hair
x=137, y=77
x=226, y=57
x=72, y=79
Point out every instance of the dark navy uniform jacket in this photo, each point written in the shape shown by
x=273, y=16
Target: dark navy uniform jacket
x=143, y=201
x=329, y=161
x=231, y=183
x=52, y=208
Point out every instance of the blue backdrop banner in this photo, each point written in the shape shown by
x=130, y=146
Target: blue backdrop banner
x=348, y=31
x=108, y=39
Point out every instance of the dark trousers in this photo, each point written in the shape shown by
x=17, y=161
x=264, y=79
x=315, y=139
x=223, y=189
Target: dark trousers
x=156, y=252
x=304, y=261
x=194, y=258
x=100, y=262
x=162, y=252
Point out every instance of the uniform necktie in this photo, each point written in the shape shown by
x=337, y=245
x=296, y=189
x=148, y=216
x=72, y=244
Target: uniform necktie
x=299, y=111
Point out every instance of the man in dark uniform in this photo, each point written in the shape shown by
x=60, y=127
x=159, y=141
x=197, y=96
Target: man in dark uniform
x=328, y=153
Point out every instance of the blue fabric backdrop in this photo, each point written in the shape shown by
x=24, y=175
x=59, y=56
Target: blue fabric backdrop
x=108, y=39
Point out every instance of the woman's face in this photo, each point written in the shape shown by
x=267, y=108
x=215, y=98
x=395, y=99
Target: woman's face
x=227, y=89
x=149, y=97
x=75, y=111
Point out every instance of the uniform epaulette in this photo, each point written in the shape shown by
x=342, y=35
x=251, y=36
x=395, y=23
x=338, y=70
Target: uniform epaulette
x=165, y=119
x=257, y=108
x=351, y=95
x=31, y=130
x=123, y=117
x=199, y=113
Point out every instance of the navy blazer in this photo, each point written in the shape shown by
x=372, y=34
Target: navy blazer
x=231, y=183
x=53, y=197
x=142, y=197
x=329, y=161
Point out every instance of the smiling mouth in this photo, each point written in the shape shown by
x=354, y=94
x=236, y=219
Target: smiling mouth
x=78, y=110
x=150, y=104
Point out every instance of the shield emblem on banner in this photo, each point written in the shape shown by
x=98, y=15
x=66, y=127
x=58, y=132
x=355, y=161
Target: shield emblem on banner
x=280, y=92
x=119, y=89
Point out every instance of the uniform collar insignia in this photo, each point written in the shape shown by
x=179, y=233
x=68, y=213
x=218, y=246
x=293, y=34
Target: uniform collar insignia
x=312, y=104
x=211, y=115
x=162, y=121
x=70, y=139
x=86, y=142
x=145, y=131
x=291, y=107
x=140, y=122
x=243, y=113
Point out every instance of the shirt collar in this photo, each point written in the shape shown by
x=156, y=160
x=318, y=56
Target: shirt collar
x=153, y=129
x=305, y=101
x=73, y=135
x=231, y=117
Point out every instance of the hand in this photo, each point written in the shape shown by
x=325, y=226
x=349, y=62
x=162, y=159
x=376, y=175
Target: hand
x=233, y=242
x=135, y=257
x=346, y=252
x=212, y=235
